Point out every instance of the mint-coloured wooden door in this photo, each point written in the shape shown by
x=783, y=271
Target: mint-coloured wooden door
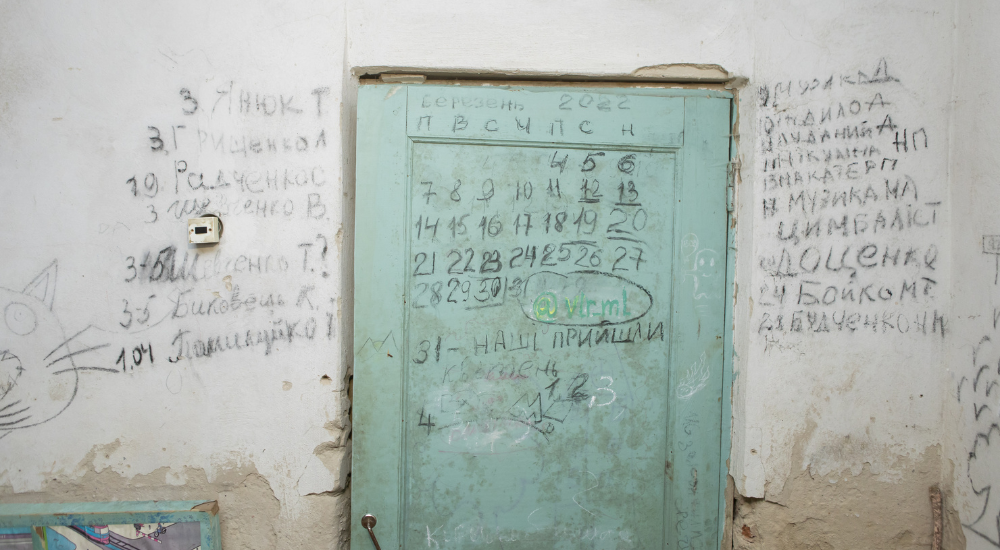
x=540, y=305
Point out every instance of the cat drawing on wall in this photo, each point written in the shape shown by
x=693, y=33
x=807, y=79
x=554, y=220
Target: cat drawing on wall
x=39, y=365
x=980, y=394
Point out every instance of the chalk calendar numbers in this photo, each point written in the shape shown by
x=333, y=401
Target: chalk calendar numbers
x=541, y=293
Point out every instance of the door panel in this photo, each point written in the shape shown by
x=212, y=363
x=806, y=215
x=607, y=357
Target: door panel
x=540, y=301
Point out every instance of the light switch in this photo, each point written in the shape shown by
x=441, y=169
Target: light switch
x=205, y=230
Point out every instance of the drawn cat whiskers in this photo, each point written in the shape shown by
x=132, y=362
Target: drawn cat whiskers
x=4, y=414
x=7, y=385
x=71, y=354
x=8, y=417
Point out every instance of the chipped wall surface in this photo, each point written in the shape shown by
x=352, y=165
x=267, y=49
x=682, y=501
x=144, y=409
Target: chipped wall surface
x=848, y=511
x=865, y=320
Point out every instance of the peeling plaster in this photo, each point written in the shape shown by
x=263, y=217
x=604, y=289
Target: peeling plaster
x=327, y=471
x=753, y=460
x=251, y=515
x=846, y=510
x=687, y=72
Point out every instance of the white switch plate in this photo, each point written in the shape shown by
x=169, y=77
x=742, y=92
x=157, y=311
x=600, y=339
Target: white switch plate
x=205, y=230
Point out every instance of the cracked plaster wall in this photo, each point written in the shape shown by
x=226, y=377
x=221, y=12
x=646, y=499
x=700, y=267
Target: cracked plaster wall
x=820, y=418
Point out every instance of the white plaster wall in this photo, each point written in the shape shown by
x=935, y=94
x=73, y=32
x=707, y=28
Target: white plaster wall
x=592, y=37
x=79, y=86
x=974, y=354
x=870, y=395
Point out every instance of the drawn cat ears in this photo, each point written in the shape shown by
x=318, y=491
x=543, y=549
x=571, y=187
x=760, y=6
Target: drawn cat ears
x=43, y=287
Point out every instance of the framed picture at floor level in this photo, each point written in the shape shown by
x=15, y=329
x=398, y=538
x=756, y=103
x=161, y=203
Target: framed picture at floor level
x=177, y=525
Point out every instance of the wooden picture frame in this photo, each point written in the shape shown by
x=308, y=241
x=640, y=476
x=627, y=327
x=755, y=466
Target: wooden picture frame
x=164, y=525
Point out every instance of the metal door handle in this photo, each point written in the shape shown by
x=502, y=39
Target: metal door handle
x=368, y=522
